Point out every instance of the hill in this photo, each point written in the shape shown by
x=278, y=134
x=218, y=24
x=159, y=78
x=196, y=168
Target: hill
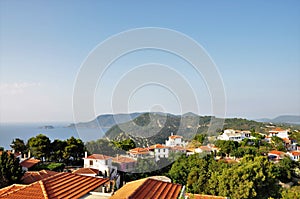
x=106, y=121
x=283, y=119
x=156, y=127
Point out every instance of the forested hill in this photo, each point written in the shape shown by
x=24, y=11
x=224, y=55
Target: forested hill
x=156, y=127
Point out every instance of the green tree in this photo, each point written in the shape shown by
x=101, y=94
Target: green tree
x=74, y=149
x=10, y=169
x=125, y=145
x=39, y=146
x=200, y=138
x=278, y=143
x=292, y=193
x=18, y=145
x=227, y=147
x=57, y=150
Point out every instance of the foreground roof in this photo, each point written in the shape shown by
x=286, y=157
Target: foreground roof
x=28, y=163
x=61, y=185
x=33, y=176
x=148, y=188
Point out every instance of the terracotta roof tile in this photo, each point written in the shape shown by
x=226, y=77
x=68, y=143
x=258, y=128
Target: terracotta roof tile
x=158, y=146
x=61, y=185
x=86, y=171
x=10, y=188
x=123, y=159
x=175, y=136
x=98, y=157
x=139, y=151
x=276, y=152
x=28, y=163
x=33, y=176
x=148, y=188
x=295, y=153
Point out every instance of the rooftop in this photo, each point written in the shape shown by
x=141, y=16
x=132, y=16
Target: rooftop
x=123, y=159
x=148, y=188
x=139, y=151
x=61, y=185
x=175, y=136
x=98, y=157
x=295, y=153
x=86, y=171
x=28, y=163
x=276, y=152
x=33, y=176
x=158, y=146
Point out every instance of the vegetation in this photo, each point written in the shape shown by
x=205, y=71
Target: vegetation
x=10, y=169
x=18, y=145
x=49, y=166
x=125, y=145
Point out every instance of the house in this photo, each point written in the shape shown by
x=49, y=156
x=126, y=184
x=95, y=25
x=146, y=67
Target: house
x=178, y=149
x=279, y=132
x=139, y=152
x=124, y=164
x=235, y=135
x=294, y=155
x=201, y=149
x=102, y=163
x=33, y=176
x=159, y=151
x=276, y=155
x=60, y=185
x=148, y=188
x=175, y=140
x=28, y=163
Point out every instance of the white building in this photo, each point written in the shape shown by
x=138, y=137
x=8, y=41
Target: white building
x=159, y=151
x=278, y=132
x=102, y=163
x=175, y=140
x=235, y=135
x=294, y=155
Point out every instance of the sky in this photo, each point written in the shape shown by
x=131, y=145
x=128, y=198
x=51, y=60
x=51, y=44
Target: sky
x=255, y=46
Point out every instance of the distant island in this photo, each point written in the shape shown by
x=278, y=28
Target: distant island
x=47, y=127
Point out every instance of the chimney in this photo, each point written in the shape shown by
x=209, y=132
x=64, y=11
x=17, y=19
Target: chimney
x=85, y=154
x=29, y=154
x=172, y=134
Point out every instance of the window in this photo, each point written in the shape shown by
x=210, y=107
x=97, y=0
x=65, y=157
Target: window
x=91, y=162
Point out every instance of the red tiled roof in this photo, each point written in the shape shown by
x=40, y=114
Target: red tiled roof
x=276, y=152
x=28, y=163
x=148, y=188
x=139, y=151
x=123, y=159
x=33, y=176
x=277, y=129
x=158, y=146
x=199, y=196
x=205, y=148
x=98, y=157
x=11, y=188
x=175, y=136
x=295, y=153
x=61, y=185
x=86, y=171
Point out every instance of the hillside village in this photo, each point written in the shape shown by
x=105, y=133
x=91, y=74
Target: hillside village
x=102, y=176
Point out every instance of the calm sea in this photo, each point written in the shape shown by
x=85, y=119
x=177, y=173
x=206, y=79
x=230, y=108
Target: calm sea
x=9, y=131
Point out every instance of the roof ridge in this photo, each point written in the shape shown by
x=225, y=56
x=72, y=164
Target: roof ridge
x=43, y=189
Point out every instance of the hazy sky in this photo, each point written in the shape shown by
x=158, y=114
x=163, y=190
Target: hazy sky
x=255, y=45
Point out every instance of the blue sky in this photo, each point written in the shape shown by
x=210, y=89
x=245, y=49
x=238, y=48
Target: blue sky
x=255, y=45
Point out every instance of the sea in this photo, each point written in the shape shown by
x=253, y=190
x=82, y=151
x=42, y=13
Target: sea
x=24, y=131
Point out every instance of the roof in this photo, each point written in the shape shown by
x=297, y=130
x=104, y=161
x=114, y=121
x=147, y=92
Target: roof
x=205, y=148
x=123, y=159
x=175, y=136
x=33, y=176
x=199, y=196
x=277, y=129
x=98, y=157
x=28, y=163
x=148, y=188
x=295, y=153
x=139, y=151
x=61, y=185
x=158, y=146
x=11, y=188
x=86, y=171
x=178, y=148
x=276, y=152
